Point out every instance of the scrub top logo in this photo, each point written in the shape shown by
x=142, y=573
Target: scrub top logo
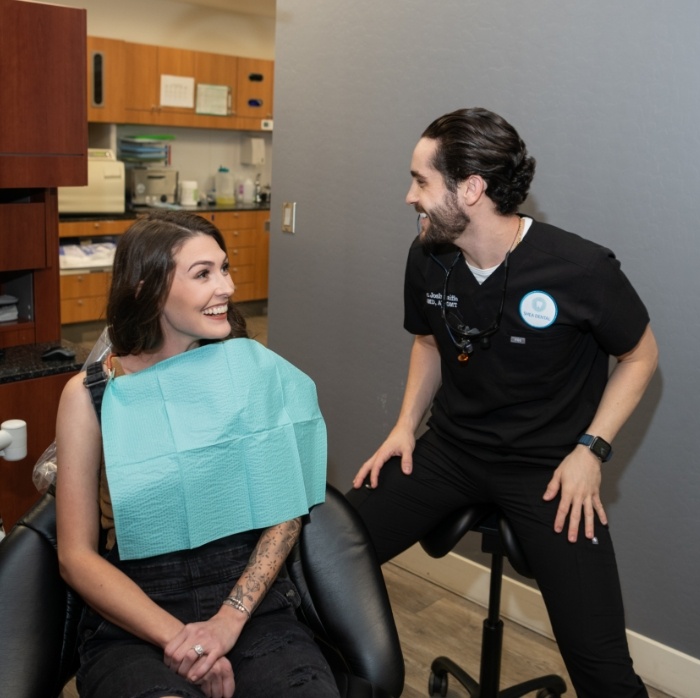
x=538, y=309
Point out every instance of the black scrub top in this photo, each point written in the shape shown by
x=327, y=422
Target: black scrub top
x=528, y=397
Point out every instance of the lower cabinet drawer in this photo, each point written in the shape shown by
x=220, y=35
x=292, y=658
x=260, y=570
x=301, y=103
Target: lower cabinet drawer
x=242, y=274
x=87, y=284
x=240, y=255
x=82, y=309
x=244, y=292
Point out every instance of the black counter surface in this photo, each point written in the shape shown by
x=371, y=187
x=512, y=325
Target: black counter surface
x=141, y=210
x=25, y=362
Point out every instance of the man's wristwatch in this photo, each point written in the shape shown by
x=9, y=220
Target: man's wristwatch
x=600, y=447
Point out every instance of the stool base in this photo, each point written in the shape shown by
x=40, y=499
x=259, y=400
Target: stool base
x=551, y=686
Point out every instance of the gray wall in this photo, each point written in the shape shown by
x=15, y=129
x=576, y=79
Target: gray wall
x=607, y=97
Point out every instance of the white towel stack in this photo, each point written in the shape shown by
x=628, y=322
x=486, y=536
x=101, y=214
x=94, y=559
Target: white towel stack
x=8, y=309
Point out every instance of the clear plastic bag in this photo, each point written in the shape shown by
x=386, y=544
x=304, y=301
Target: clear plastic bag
x=44, y=473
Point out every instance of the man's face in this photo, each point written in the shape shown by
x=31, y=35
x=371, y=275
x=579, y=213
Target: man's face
x=441, y=216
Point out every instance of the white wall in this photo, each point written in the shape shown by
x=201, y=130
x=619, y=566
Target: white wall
x=180, y=25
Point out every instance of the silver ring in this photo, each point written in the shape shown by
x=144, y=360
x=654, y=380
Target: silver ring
x=199, y=650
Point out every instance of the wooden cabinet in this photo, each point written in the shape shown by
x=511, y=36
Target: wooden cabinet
x=36, y=402
x=247, y=245
x=84, y=293
x=43, y=134
x=43, y=145
x=29, y=264
x=131, y=81
x=106, y=78
x=84, y=296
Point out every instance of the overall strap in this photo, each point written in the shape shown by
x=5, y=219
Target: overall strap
x=95, y=381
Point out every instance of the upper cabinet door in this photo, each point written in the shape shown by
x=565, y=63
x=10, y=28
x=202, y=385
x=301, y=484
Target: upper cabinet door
x=255, y=88
x=43, y=132
x=106, y=77
x=141, y=88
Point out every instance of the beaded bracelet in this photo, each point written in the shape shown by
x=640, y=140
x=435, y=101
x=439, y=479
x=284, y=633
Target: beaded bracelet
x=237, y=604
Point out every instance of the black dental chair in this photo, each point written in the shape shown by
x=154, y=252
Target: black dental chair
x=344, y=601
x=498, y=539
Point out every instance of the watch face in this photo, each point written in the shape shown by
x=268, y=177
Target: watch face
x=601, y=448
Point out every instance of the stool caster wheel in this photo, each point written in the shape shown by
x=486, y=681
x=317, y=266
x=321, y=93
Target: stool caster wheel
x=546, y=693
x=437, y=684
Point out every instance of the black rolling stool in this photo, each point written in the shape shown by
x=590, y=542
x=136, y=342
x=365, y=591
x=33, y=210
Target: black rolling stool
x=498, y=540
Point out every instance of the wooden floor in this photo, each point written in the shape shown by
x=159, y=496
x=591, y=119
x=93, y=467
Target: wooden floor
x=432, y=622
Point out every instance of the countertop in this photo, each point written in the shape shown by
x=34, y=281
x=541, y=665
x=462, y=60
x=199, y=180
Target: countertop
x=25, y=362
x=131, y=214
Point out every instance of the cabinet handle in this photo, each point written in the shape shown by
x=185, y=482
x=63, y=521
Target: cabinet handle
x=98, y=73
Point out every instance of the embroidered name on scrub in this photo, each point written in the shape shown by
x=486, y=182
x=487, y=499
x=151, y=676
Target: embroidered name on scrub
x=538, y=309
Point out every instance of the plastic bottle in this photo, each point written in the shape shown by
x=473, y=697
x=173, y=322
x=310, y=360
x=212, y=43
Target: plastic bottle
x=224, y=187
x=248, y=191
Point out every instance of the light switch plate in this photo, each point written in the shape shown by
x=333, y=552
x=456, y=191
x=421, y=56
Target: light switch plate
x=289, y=214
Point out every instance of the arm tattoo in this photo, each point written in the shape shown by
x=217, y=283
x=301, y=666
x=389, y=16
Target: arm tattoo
x=265, y=562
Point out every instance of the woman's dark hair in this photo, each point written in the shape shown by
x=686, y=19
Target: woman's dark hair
x=144, y=263
x=477, y=141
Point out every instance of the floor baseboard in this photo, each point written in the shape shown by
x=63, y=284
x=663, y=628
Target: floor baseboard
x=660, y=666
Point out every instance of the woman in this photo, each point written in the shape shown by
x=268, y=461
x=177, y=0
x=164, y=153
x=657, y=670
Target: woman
x=180, y=557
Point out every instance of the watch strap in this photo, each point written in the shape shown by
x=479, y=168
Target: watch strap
x=600, y=447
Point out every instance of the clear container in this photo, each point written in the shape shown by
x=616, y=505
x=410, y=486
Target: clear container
x=248, y=191
x=225, y=193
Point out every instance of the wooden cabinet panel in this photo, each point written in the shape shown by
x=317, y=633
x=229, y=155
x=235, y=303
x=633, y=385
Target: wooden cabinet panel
x=86, y=229
x=238, y=256
x=240, y=275
x=262, y=255
x=22, y=236
x=140, y=90
x=255, y=88
x=106, y=78
x=216, y=69
x=246, y=237
x=87, y=309
x=36, y=402
x=43, y=139
x=80, y=285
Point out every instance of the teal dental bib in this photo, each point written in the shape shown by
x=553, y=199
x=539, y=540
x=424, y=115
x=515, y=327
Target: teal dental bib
x=218, y=440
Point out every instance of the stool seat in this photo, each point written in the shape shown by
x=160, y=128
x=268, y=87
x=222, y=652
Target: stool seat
x=499, y=540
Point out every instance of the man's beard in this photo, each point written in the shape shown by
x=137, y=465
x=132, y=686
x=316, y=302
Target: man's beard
x=446, y=222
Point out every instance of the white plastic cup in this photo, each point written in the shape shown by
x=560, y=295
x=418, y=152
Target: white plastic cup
x=189, y=193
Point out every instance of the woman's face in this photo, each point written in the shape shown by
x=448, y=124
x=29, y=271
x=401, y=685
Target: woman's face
x=197, y=304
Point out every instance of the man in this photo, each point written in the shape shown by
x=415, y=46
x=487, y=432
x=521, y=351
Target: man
x=514, y=323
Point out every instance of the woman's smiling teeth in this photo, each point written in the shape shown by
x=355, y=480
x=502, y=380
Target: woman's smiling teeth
x=217, y=310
